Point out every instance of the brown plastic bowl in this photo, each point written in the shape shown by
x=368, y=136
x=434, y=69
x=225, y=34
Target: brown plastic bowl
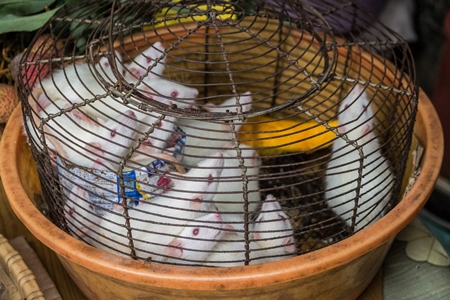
x=339, y=271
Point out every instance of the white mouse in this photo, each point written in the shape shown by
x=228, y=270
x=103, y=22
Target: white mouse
x=149, y=63
x=80, y=214
x=84, y=141
x=194, y=243
x=145, y=73
x=155, y=224
x=203, y=138
x=230, y=192
x=78, y=81
x=356, y=120
x=230, y=252
x=271, y=239
x=160, y=128
x=191, y=194
x=147, y=122
x=273, y=230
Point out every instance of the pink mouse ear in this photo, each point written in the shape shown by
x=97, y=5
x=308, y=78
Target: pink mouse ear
x=175, y=248
x=96, y=149
x=159, y=46
x=289, y=246
x=82, y=117
x=42, y=102
x=196, y=202
x=341, y=129
x=97, y=164
x=365, y=129
x=137, y=73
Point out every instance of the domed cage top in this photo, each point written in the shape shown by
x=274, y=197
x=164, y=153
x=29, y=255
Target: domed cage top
x=217, y=133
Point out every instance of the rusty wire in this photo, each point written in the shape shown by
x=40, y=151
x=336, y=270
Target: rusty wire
x=298, y=59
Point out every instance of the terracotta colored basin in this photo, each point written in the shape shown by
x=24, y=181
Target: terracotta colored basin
x=340, y=271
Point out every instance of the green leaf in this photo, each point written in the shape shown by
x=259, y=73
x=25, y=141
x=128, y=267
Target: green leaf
x=12, y=23
x=23, y=7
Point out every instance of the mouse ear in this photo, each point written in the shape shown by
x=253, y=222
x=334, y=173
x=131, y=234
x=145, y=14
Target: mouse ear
x=95, y=148
x=81, y=116
x=138, y=157
x=196, y=202
x=97, y=164
x=174, y=248
x=159, y=46
x=136, y=72
x=42, y=102
x=246, y=100
x=231, y=231
x=341, y=128
x=157, y=50
x=365, y=129
x=118, y=208
x=289, y=246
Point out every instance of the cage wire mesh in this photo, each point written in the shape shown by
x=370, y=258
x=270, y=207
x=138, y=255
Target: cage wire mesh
x=217, y=133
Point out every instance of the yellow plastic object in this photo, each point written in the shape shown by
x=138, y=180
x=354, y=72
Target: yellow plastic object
x=270, y=136
x=174, y=15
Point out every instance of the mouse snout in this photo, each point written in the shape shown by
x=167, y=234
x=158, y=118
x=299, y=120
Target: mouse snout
x=194, y=93
x=217, y=217
x=218, y=154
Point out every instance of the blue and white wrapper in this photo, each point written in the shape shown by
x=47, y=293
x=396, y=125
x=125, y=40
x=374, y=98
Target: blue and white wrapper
x=104, y=187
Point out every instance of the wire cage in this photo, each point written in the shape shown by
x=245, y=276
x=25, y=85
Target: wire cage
x=217, y=133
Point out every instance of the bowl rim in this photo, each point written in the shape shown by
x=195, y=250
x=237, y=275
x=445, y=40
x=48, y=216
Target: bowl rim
x=204, y=278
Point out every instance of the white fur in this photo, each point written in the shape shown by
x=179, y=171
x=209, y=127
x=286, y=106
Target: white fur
x=78, y=81
x=231, y=104
x=271, y=238
x=193, y=244
x=80, y=214
x=230, y=252
x=273, y=230
x=155, y=224
x=146, y=62
x=145, y=72
x=230, y=193
x=82, y=140
x=203, y=138
x=356, y=120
